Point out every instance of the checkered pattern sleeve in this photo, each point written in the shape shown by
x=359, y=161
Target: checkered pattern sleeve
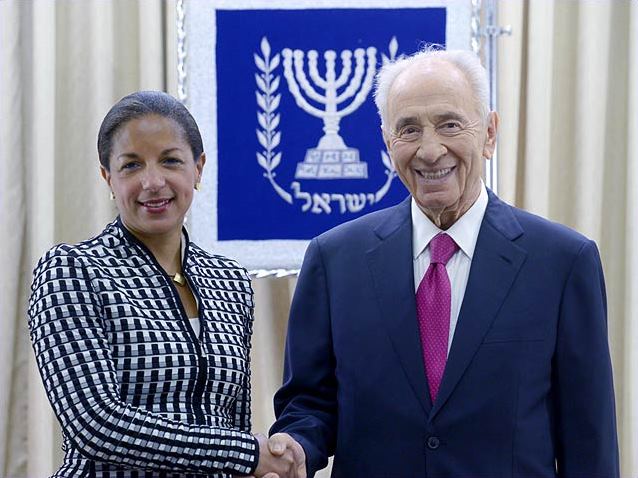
x=242, y=408
x=80, y=379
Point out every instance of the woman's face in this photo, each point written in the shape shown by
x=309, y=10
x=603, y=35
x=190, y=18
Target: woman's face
x=152, y=175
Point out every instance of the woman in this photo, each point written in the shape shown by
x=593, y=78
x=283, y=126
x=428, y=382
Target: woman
x=141, y=337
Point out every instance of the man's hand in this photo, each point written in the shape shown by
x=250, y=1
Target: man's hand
x=281, y=443
x=280, y=457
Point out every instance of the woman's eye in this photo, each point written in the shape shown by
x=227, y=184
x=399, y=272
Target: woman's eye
x=172, y=161
x=130, y=165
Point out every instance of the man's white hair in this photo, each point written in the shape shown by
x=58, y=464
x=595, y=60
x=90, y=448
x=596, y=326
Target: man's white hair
x=467, y=62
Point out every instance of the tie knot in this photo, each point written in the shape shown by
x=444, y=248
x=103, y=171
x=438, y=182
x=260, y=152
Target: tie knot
x=442, y=247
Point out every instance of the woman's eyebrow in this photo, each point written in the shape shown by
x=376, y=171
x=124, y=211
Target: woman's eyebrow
x=136, y=156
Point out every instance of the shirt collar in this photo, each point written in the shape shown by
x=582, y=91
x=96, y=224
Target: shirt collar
x=464, y=231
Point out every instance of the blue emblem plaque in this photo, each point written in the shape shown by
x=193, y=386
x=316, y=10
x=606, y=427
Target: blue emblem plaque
x=285, y=102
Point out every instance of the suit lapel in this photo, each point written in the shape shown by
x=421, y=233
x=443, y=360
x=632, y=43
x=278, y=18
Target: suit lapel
x=495, y=265
x=390, y=264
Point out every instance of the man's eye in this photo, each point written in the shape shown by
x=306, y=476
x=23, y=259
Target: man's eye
x=410, y=132
x=172, y=161
x=451, y=126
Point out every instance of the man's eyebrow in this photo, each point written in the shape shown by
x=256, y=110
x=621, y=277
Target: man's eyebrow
x=438, y=117
x=449, y=115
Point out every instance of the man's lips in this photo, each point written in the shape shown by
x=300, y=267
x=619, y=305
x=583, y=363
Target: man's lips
x=433, y=175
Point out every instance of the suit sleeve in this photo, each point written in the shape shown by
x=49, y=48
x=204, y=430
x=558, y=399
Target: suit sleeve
x=587, y=445
x=306, y=404
x=74, y=359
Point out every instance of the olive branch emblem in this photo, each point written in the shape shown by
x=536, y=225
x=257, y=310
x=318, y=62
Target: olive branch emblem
x=268, y=101
x=269, y=137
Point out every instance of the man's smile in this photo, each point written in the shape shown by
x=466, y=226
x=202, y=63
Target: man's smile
x=436, y=174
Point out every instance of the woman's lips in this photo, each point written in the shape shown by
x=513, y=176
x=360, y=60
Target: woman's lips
x=156, y=206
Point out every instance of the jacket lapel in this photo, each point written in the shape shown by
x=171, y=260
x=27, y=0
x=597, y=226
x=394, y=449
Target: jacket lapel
x=495, y=265
x=390, y=264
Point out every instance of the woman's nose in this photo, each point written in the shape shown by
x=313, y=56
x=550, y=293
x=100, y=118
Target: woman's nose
x=153, y=179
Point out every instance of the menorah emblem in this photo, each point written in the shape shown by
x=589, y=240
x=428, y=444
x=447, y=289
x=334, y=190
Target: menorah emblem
x=332, y=158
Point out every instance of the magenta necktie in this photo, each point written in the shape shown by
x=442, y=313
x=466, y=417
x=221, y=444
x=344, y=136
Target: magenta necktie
x=433, y=304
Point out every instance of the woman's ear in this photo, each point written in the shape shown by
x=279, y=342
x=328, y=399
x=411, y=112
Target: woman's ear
x=199, y=166
x=106, y=175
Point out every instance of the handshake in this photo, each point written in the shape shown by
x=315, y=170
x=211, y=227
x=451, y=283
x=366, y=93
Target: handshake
x=280, y=456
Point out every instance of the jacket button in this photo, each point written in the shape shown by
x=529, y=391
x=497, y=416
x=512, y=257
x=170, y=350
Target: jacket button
x=433, y=443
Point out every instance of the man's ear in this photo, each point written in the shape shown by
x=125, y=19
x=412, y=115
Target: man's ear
x=490, y=140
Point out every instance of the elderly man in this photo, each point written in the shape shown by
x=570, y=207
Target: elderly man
x=452, y=335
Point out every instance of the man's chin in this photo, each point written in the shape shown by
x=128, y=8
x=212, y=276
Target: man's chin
x=433, y=205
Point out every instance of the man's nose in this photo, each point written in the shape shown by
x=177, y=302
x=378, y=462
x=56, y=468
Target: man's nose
x=430, y=147
x=153, y=179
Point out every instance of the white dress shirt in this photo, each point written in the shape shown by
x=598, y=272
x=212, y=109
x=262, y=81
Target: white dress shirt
x=465, y=233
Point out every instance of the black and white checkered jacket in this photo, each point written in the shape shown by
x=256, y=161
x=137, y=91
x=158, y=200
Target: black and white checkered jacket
x=136, y=392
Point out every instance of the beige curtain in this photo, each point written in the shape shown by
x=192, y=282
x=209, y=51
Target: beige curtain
x=569, y=107
x=63, y=63
x=568, y=98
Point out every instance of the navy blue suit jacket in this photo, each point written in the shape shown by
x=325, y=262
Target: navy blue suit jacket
x=527, y=389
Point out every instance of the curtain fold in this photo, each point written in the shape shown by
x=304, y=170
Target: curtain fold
x=567, y=151
x=272, y=302
x=12, y=218
x=64, y=63
x=628, y=353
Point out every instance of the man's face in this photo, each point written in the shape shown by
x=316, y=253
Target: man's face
x=437, y=138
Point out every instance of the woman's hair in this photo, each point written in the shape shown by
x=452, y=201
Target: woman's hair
x=144, y=103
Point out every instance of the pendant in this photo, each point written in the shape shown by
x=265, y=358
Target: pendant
x=179, y=279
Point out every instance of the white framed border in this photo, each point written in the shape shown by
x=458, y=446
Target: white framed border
x=198, y=89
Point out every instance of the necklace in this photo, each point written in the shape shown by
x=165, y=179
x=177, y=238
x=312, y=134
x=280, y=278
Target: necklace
x=179, y=279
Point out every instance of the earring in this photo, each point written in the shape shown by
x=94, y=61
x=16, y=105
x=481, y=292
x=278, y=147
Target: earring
x=112, y=196
x=198, y=186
